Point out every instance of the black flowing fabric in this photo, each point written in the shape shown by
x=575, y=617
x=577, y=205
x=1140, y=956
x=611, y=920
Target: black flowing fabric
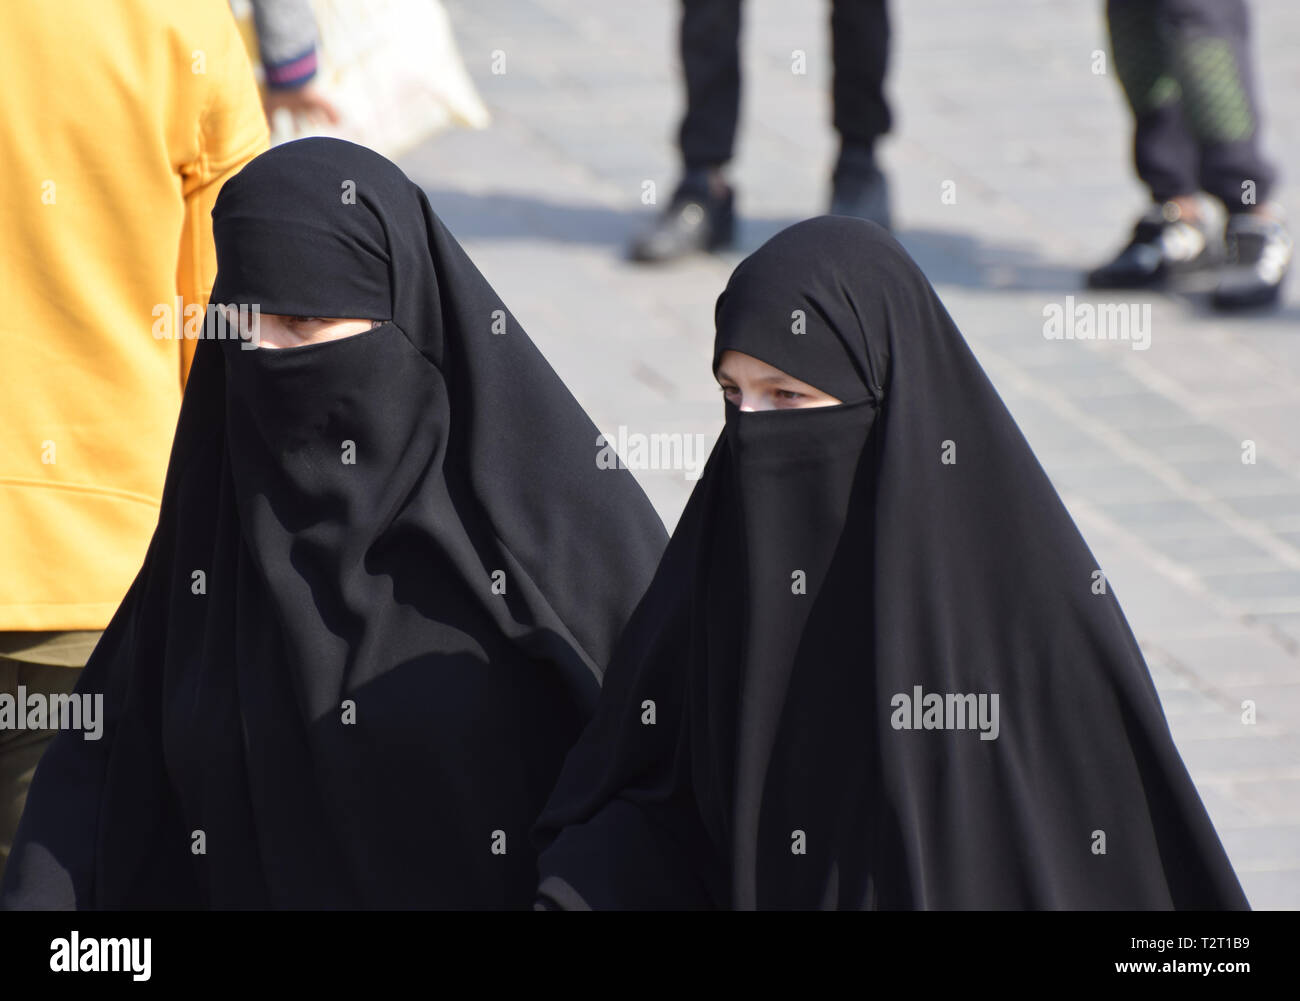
x=780, y=725
x=386, y=580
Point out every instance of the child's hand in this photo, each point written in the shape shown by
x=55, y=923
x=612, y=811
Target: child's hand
x=302, y=102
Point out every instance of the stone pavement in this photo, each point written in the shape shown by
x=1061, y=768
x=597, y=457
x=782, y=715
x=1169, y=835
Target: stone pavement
x=998, y=97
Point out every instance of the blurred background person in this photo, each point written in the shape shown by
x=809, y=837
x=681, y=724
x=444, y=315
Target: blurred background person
x=118, y=125
x=701, y=214
x=385, y=74
x=1186, y=71
x=285, y=38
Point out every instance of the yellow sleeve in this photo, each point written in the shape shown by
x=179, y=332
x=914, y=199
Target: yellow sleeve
x=232, y=131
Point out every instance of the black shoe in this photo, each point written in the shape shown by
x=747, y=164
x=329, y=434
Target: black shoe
x=696, y=219
x=1259, y=253
x=1163, y=244
x=859, y=189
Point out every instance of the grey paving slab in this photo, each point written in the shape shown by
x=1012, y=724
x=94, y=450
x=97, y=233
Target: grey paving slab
x=1270, y=889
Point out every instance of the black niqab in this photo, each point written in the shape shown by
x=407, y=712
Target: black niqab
x=832, y=562
x=413, y=575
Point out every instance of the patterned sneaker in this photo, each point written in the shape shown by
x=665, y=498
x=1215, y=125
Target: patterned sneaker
x=1163, y=244
x=1259, y=251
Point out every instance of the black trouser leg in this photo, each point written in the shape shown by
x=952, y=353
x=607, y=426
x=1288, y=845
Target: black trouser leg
x=710, y=43
x=1164, y=151
x=860, y=46
x=1185, y=69
x=21, y=750
x=1209, y=46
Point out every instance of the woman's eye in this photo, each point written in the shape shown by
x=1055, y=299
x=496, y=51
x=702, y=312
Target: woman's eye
x=303, y=319
x=728, y=390
x=789, y=394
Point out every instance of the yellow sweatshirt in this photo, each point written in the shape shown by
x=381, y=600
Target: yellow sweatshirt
x=119, y=122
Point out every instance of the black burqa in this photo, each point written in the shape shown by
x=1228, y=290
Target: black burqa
x=831, y=561
x=412, y=575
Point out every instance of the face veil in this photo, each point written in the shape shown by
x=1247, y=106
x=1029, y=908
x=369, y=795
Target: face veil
x=833, y=566
x=385, y=582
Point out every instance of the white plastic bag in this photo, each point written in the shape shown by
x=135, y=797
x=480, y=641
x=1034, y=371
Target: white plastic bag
x=392, y=70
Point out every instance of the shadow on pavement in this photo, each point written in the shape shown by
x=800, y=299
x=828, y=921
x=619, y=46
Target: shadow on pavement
x=947, y=258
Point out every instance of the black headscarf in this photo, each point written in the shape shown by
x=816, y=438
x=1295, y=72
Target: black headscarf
x=749, y=750
x=413, y=573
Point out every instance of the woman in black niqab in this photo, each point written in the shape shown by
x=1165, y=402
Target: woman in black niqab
x=385, y=582
x=768, y=735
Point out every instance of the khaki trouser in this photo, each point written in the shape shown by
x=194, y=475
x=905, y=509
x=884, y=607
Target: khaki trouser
x=48, y=663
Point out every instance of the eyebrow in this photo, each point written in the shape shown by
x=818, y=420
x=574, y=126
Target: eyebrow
x=766, y=379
